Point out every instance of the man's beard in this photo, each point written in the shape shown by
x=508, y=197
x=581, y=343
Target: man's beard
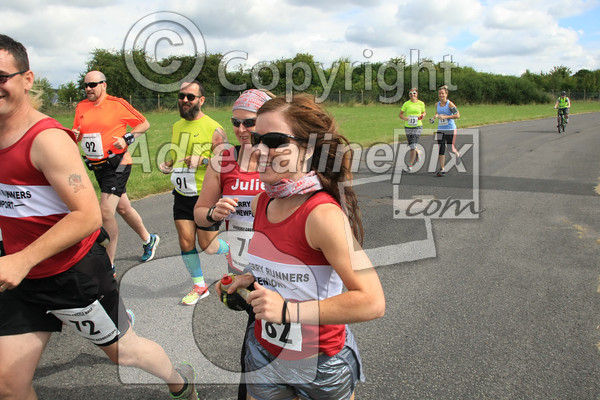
x=191, y=112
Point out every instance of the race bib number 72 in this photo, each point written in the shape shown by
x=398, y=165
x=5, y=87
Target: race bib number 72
x=91, y=322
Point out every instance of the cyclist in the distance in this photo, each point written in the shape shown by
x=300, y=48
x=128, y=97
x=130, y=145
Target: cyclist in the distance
x=563, y=104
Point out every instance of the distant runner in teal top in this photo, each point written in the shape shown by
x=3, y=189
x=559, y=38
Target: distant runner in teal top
x=412, y=112
x=446, y=114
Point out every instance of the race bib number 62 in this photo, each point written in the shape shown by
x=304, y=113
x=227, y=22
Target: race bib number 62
x=288, y=336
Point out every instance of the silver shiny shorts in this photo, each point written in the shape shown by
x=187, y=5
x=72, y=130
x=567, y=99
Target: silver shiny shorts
x=322, y=377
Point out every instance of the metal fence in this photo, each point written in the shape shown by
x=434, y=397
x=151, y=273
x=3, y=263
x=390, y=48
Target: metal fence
x=160, y=102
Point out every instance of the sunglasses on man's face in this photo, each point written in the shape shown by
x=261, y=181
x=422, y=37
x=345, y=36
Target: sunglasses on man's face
x=5, y=78
x=92, y=84
x=413, y=93
x=272, y=140
x=190, y=96
x=248, y=122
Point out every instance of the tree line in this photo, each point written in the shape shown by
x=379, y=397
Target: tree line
x=364, y=82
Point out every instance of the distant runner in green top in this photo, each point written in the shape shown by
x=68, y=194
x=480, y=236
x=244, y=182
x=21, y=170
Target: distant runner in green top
x=413, y=112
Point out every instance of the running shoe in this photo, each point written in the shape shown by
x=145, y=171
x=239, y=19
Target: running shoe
x=441, y=172
x=150, y=248
x=458, y=160
x=194, y=295
x=408, y=168
x=189, y=376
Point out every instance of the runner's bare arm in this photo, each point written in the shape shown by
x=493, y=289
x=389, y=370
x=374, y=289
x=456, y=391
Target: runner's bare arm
x=209, y=194
x=56, y=155
x=327, y=229
x=141, y=128
x=218, y=139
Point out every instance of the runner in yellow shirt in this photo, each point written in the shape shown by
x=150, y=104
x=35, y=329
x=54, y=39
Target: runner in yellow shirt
x=194, y=138
x=412, y=113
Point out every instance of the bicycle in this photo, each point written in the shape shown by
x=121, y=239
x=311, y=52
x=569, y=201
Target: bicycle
x=561, y=119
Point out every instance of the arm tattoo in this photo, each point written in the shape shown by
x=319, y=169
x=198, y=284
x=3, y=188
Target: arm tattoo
x=76, y=182
x=222, y=133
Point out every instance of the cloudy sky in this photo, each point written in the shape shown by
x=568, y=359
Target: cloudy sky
x=499, y=36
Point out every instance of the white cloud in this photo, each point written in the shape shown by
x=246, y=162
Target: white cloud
x=61, y=34
x=512, y=16
x=518, y=35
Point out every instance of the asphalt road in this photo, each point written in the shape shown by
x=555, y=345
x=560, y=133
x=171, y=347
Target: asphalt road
x=499, y=300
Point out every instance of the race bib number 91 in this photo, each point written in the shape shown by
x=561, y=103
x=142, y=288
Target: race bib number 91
x=184, y=180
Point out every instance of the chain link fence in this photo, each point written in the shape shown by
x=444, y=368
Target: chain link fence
x=339, y=97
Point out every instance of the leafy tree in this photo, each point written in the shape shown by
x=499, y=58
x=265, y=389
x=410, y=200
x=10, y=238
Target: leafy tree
x=303, y=73
x=69, y=93
x=43, y=92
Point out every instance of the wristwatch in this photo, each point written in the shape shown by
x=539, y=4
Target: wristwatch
x=129, y=138
x=209, y=217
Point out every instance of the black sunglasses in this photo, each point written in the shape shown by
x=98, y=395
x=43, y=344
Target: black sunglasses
x=92, y=84
x=272, y=139
x=5, y=78
x=190, y=96
x=248, y=122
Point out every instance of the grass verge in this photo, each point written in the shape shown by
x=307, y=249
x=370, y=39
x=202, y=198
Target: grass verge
x=364, y=125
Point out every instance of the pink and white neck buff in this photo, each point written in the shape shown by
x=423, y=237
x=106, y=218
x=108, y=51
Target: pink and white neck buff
x=287, y=187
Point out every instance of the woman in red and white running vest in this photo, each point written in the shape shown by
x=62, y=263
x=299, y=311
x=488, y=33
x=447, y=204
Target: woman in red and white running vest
x=304, y=251
x=231, y=182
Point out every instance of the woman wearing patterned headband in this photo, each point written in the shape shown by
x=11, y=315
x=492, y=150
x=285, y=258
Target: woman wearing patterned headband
x=305, y=249
x=230, y=184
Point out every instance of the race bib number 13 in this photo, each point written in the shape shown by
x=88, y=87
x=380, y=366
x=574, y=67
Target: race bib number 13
x=413, y=120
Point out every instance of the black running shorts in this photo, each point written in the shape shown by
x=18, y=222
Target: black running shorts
x=183, y=208
x=85, y=298
x=113, y=181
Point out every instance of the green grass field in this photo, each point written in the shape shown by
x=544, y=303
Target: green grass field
x=365, y=125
